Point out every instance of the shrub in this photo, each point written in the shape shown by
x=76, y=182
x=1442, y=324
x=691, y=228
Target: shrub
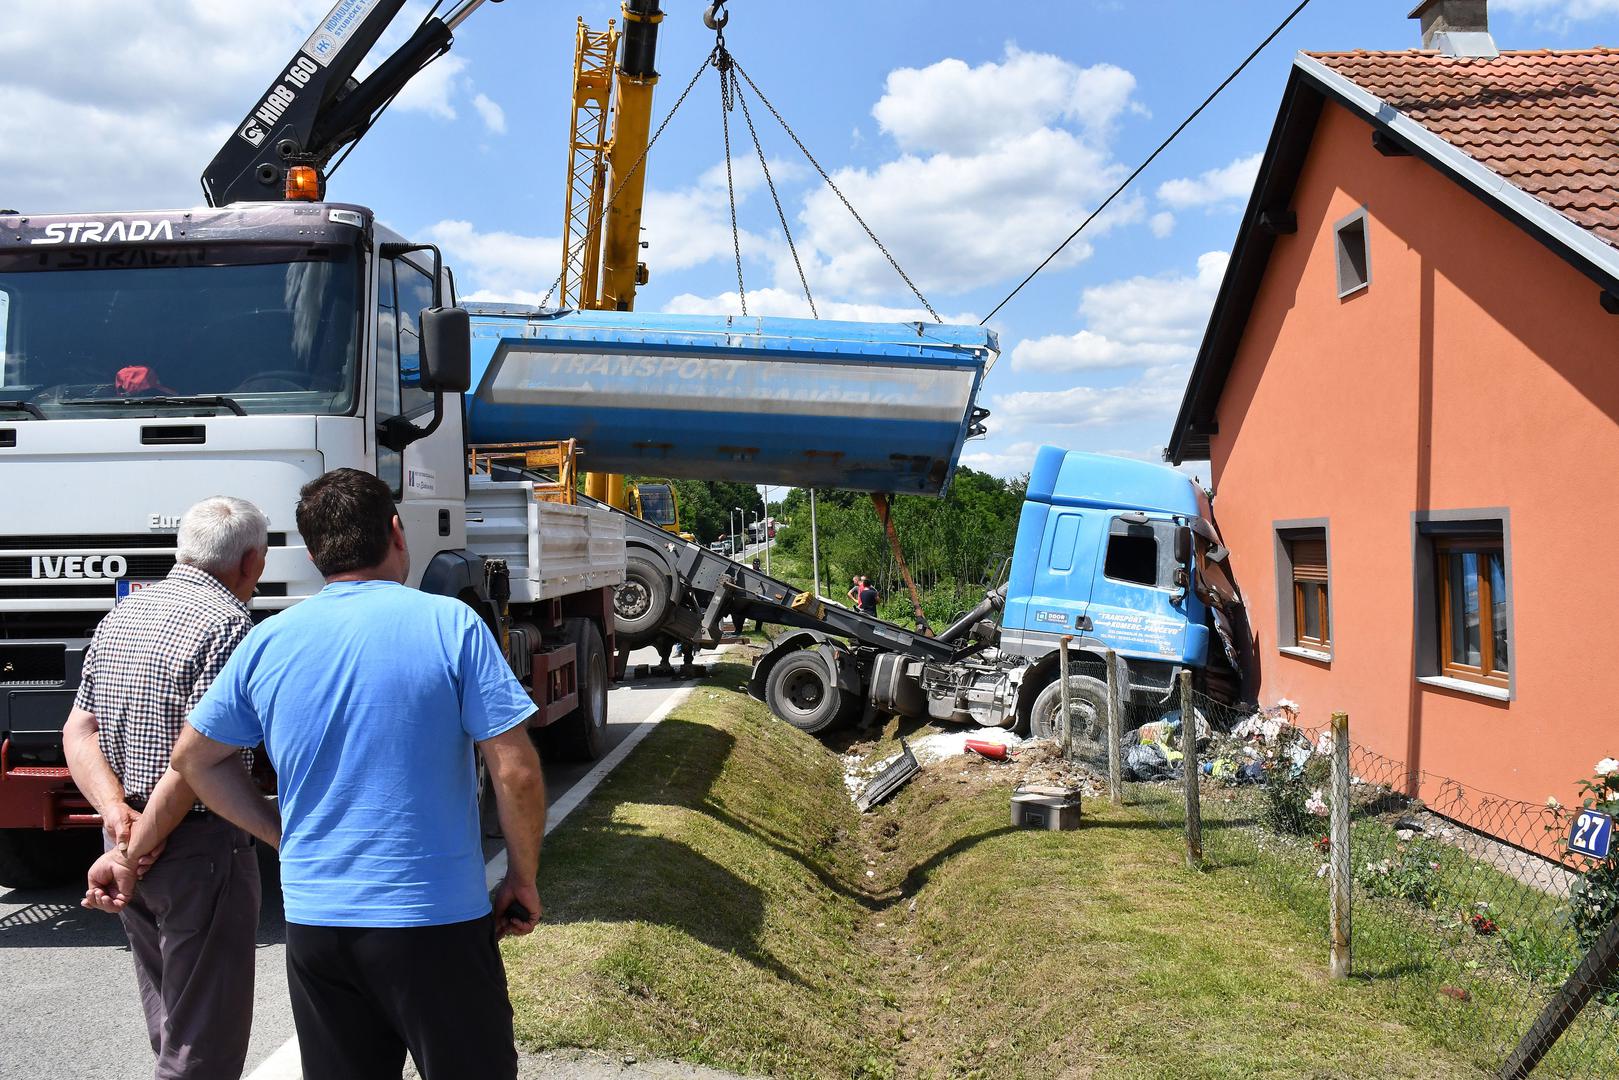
x=1412, y=874
x=1594, y=900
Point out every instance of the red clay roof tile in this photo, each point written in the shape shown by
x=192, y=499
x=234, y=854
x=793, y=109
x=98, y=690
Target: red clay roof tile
x=1546, y=121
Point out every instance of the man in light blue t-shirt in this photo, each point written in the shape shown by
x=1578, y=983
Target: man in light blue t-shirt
x=369, y=698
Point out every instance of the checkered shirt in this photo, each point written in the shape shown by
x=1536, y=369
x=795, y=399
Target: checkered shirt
x=152, y=659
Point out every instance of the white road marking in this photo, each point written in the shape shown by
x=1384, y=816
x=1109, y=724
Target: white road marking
x=284, y=1064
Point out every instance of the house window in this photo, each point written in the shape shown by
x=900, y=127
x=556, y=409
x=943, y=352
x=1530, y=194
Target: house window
x=1463, y=578
x=1312, y=614
x=1471, y=575
x=1354, y=265
x=1303, y=588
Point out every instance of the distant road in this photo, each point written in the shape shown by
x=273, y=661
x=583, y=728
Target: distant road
x=72, y=1009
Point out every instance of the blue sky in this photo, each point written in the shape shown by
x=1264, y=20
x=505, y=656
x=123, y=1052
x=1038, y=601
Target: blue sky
x=972, y=136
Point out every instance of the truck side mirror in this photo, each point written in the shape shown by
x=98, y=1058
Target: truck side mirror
x=446, y=332
x=1183, y=545
x=446, y=350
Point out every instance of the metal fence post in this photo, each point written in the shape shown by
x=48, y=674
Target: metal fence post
x=1115, y=731
x=1189, y=773
x=1595, y=971
x=1338, y=855
x=1065, y=728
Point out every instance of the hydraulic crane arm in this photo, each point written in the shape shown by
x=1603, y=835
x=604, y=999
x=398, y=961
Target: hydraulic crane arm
x=315, y=107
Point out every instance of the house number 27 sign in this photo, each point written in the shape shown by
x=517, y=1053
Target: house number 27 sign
x=1591, y=834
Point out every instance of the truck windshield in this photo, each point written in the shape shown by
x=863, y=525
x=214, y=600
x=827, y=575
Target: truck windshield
x=274, y=329
x=657, y=504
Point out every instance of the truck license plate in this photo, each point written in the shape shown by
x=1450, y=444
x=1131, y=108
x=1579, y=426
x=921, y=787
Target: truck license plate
x=126, y=586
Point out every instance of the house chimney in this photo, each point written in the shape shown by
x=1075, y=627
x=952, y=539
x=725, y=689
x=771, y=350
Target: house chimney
x=1456, y=27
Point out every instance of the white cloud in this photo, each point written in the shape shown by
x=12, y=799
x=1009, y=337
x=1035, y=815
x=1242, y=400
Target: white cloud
x=1566, y=9
x=494, y=117
x=951, y=108
x=499, y=265
x=433, y=90
x=1164, y=310
x=1089, y=351
x=1134, y=322
x=692, y=226
x=956, y=223
x=997, y=162
x=1014, y=460
x=1153, y=397
x=1162, y=224
x=1228, y=184
x=121, y=105
x=790, y=304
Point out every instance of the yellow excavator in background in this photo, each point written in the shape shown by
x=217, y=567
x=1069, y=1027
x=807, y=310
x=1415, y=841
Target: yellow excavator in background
x=607, y=145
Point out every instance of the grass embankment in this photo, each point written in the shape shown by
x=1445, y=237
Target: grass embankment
x=719, y=901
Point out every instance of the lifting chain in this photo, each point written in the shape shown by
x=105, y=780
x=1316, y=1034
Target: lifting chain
x=847, y=205
x=731, y=94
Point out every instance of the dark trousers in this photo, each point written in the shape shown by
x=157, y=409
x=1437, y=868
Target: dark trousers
x=191, y=927
x=361, y=997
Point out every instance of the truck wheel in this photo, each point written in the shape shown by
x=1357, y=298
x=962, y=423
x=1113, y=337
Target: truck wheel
x=582, y=734
x=640, y=604
x=35, y=859
x=1087, y=702
x=798, y=691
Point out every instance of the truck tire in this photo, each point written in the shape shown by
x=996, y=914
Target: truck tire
x=640, y=604
x=35, y=859
x=801, y=692
x=1087, y=701
x=582, y=734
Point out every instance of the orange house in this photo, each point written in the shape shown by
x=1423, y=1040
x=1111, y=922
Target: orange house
x=1408, y=394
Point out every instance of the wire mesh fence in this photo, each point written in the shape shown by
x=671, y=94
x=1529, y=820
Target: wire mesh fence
x=1466, y=905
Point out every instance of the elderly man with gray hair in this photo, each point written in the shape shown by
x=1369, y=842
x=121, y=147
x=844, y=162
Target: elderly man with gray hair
x=184, y=882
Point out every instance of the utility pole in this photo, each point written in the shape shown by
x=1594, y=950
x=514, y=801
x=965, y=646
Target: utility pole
x=767, y=530
x=815, y=549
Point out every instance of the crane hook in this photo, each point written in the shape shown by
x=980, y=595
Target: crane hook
x=716, y=16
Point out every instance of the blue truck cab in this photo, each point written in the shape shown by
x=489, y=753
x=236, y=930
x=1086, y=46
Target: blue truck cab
x=1120, y=556
x=1123, y=555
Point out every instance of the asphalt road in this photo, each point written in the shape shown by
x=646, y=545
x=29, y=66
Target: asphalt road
x=70, y=1006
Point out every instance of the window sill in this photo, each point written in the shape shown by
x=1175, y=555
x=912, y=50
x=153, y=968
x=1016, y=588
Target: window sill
x=1306, y=654
x=1463, y=686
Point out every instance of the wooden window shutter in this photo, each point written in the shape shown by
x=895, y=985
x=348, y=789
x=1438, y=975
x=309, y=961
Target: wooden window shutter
x=1310, y=559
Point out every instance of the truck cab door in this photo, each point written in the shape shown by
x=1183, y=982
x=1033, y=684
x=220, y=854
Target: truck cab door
x=1048, y=596
x=1137, y=605
x=428, y=478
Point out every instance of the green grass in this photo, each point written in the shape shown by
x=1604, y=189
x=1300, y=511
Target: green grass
x=696, y=906
x=1410, y=952
x=719, y=901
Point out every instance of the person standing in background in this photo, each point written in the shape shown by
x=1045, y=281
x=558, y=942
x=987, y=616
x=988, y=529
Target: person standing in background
x=184, y=882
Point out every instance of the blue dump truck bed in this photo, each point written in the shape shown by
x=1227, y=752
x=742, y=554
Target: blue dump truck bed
x=859, y=406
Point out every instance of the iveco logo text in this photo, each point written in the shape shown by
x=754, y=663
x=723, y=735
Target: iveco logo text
x=80, y=566
x=278, y=101
x=105, y=232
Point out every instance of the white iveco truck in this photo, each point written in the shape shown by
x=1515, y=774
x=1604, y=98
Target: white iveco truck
x=149, y=360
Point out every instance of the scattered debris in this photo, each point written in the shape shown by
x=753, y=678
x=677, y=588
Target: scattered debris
x=894, y=776
x=995, y=751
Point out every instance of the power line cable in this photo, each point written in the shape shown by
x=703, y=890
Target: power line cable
x=1184, y=124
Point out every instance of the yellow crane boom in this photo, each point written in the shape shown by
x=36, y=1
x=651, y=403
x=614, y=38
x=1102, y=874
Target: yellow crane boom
x=607, y=144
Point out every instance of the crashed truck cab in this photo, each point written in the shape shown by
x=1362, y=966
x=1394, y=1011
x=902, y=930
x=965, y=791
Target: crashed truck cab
x=1117, y=555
